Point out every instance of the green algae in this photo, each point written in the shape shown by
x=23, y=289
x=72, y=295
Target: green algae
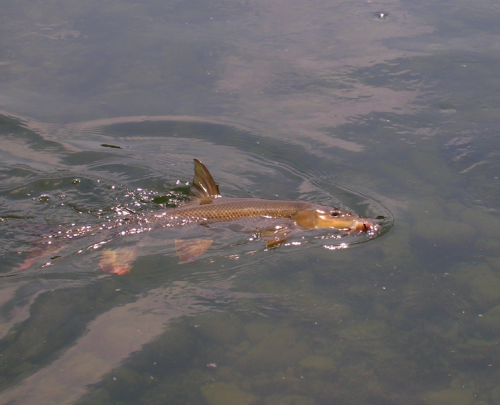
x=450, y=397
x=375, y=324
x=319, y=363
x=485, y=223
x=280, y=348
x=268, y=361
x=488, y=245
x=449, y=233
x=484, y=284
x=219, y=326
x=226, y=394
x=57, y=317
x=485, y=288
x=490, y=320
x=366, y=330
x=494, y=263
x=436, y=224
x=288, y=400
x=430, y=335
x=257, y=330
x=397, y=244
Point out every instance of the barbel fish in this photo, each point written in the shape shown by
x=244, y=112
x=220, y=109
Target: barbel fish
x=207, y=206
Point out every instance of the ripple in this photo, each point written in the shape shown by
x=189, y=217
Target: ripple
x=153, y=168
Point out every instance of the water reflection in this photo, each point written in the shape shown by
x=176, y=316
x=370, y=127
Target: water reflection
x=116, y=324
x=311, y=321
x=67, y=314
x=320, y=101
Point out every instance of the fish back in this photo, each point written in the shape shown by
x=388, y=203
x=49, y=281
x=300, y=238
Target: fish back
x=224, y=209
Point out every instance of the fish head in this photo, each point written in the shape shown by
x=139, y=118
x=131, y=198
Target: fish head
x=329, y=217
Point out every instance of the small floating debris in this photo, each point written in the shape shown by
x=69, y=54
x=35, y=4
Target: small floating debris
x=381, y=15
x=44, y=198
x=107, y=145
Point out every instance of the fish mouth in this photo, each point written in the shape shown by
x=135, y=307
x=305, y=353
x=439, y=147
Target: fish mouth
x=366, y=225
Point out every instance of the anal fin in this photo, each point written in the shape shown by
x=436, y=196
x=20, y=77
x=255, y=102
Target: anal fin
x=118, y=261
x=190, y=249
x=43, y=252
x=275, y=236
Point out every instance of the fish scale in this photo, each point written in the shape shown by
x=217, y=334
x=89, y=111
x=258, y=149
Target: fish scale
x=233, y=208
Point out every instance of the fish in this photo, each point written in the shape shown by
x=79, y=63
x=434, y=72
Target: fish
x=277, y=221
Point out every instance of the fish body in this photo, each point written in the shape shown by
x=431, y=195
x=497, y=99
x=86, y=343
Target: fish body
x=210, y=206
x=304, y=214
x=207, y=207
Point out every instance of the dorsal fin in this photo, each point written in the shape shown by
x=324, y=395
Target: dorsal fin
x=203, y=183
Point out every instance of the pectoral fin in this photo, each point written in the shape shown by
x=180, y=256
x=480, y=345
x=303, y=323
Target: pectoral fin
x=190, y=249
x=118, y=261
x=44, y=252
x=276, y=235
x=204, y=185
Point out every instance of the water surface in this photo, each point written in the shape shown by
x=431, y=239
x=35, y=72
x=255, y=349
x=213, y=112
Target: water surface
x=104, y=106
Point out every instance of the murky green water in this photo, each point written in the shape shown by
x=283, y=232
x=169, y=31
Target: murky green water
x=104, y=106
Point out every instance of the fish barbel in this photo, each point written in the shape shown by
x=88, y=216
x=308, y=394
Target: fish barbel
x=207, y=206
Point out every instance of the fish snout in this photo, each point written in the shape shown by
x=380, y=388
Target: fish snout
x=365, y=225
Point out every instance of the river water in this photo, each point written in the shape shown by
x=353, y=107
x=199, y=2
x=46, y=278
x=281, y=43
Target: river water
x=388, y=108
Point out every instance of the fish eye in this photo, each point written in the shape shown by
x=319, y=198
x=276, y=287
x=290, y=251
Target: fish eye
x=335, y=213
